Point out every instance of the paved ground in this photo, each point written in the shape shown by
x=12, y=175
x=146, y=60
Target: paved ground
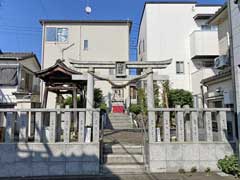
x=163, y=176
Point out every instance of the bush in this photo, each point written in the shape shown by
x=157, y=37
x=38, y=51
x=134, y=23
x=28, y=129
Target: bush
x=229, y=165
x=193, y=169
x=181, y=171
x=135, y=108
x=180, y=97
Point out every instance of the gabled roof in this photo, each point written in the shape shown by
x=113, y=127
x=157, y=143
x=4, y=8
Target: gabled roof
x=18, y=56
x=59, y=72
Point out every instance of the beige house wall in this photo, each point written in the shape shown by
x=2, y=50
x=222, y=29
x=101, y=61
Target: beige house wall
x=106, y=42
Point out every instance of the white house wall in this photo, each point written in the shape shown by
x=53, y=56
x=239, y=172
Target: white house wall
x=168, y=36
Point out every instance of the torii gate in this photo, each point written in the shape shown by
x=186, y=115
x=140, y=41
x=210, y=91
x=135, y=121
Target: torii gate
x=148, y=74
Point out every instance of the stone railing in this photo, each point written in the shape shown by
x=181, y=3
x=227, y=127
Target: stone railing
x=49, y=142
x=48, y=125
x=191, y=125
x=187, y=138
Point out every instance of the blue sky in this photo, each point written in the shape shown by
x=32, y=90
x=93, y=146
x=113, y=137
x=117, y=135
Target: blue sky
x=19, y=19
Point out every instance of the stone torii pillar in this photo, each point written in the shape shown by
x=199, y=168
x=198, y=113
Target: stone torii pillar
x=150, y=104
x=90, y=96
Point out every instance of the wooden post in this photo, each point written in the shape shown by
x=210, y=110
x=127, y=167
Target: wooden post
x=38, y=127
x=74, y=97
x=45, y=97
x=166, y=126
x=96, y=119
x=222, y=126
x=208, y=126
x=81, y=127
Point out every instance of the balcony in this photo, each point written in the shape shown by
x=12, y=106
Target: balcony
x=204, y=44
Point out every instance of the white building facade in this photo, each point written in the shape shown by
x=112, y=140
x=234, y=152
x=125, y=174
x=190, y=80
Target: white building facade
x=178, y=31
x=94, y=41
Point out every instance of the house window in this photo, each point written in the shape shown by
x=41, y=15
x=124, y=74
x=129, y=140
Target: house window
x=179, y=67
x=208, y=28
x=56, y=34
x=85, y=45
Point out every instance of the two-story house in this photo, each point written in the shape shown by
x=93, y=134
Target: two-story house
x=90, y=40
x=179, y=31
x=219, y=87
x=19, y=88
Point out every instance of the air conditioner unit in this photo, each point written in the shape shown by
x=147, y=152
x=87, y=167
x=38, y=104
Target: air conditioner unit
x=221, y=62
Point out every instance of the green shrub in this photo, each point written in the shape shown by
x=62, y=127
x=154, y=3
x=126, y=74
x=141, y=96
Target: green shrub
x=135, y=108
x=229, y=165
x=193, y=169
x=181, y=171
x=180, y=97
x=103, y=107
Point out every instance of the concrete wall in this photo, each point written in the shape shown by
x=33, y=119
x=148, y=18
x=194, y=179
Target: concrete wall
x=223, y=37
x=170, y=157
x=168, y=28
x=37, y=159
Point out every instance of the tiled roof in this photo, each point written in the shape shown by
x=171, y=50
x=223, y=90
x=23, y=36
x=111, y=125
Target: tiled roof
x=16, y=55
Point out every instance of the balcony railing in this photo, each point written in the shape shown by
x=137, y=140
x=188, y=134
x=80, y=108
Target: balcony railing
x=204, y=44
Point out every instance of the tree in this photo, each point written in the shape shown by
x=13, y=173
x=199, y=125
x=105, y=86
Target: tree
x=98, y=100
x=165, y=94
x=180, y=97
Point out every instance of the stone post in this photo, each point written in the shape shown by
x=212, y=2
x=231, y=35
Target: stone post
x=208, y=126
x=166, y=126
x=38, y=127
x=187, y=123
x=90, y=96
x=67, y=125
x=150, y=104
x=81, y=127
x=23, y=126
x=53, y=125
x=96, y=119
x=180, y=125
x=194, y=126
x=9, y=131
x=222, y=126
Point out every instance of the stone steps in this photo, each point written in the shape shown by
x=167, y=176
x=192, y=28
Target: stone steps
x=122, y=168
x=120, y=149
x=123, y=158
x=120, y=121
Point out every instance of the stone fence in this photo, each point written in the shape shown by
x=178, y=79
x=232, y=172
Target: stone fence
x=182, y=138
x=48, y=142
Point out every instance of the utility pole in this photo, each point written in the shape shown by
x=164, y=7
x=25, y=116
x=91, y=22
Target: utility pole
x=235, y=62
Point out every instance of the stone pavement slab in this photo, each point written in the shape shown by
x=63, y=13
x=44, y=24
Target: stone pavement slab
x=162, y=176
